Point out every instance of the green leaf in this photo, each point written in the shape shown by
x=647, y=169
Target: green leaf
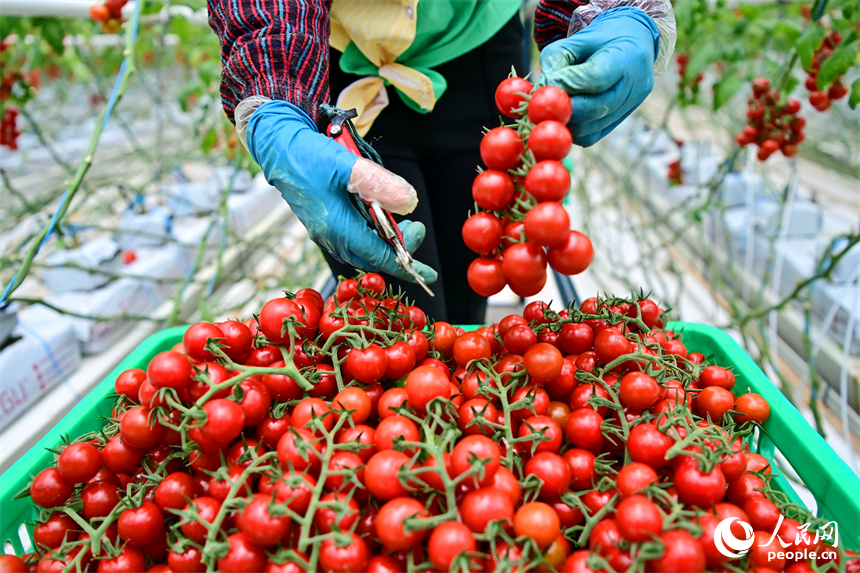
x=838, y=63
x=701, y=59
x=726, y=87
x=854, y=98
x=809, y=42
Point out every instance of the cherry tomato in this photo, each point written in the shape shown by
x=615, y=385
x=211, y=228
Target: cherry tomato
x=426, y=383
x=553, y=470
x=549, y=103
x=485, y=276
x=538, y=521
x=550, y=139
x=501, y=148
x=493, y=190
x=572, y=255
x=548, y=180
x=509, y=97
x=482, y=232
x=389, y=523
x=751, y=407
x=484, y=505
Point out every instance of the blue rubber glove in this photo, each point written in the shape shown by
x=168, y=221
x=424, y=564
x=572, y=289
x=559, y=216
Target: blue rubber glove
x=607, y=68
x=311, y=171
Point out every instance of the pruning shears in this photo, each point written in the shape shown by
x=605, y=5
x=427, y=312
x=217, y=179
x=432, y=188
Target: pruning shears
x=381, y=220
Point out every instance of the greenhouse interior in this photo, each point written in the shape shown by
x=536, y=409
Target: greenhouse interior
x=449, y=285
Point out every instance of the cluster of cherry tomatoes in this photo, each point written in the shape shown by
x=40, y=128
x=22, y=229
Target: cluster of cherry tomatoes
x=520, y=225
x=108, y=14
x=821, y=98
x=772, y=124
x=9, y=128
x=351, y=435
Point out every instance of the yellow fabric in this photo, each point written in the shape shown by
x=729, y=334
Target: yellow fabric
x=382, y=30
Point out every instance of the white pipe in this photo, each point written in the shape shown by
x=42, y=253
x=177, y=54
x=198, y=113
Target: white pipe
x=53, y=8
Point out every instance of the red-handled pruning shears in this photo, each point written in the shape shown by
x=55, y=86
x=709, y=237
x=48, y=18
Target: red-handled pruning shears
x=381, y=220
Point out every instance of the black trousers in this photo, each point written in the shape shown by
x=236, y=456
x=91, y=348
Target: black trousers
x=438, y=154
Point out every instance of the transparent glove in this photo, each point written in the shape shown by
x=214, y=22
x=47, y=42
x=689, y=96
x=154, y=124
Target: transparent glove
x=607, y=68
x=314, y=174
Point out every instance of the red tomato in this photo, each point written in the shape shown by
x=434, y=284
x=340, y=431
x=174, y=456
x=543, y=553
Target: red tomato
x=471, y=346
x=638, y=390
x=751, y=407
x=447, y=541
x=682, y=553
x=696, y=487
x=273, y=315
x=426, y=383
x=544, y=428
x=477, y=451
x=583, y=429
x=550, y=139
x=342, y=559
x=486, y=277
x=547, y=224
x=128, y=383
x=634, y=477
x=648, y=445
x=482, y=232
x=638, y=518
x=501, y=148
x=355, y=400
x=493, y=190
x=197, y=336
x=543, y=362
x=509, y=97
x=571, y=256
x=224, y=420
x=538, y=521
x=371, y=284
x=484, y=505
x=553, y=470
x=389, y=523
x=79, y=462
x=548, y=180
x=524, y=263
x=401, y=360
x=169, y=370
x=244, y=556
x=382, y=471
x=396, y=428
x=142, y=525
x=549, y=103
x=368, y=365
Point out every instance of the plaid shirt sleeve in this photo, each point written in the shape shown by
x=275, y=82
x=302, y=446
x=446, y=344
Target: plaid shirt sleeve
x=272, y=48
x=552, y=18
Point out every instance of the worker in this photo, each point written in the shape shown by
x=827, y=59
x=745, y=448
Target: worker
x=421, y=76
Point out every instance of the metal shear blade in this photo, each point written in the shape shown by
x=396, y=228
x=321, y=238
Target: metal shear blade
x=389, y=233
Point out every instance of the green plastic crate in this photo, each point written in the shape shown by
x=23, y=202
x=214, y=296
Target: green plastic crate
x=835, y=487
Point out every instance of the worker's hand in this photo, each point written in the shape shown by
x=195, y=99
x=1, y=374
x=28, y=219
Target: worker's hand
x=314, y=174
x=607, y=68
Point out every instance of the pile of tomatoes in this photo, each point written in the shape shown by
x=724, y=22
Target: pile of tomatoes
x=772, y=124
x=351, y=435
x=822, y=97
x=520, y=225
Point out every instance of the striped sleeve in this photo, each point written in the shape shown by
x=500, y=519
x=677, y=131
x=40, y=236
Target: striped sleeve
x=552, y=18
x=272, y=48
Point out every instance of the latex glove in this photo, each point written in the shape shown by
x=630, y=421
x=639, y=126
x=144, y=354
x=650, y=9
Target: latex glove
x=314, y=174
x=607, y=68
